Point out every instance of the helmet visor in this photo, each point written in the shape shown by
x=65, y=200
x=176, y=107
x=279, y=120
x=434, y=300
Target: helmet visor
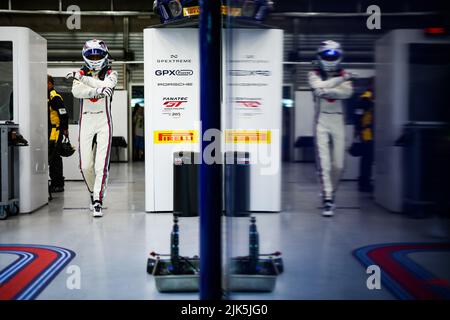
x=95, y=54
x=175, y=8
x=330, y=55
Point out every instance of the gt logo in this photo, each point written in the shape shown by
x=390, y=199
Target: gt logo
x=174, y=73
x=173, y=104
x=250, y=104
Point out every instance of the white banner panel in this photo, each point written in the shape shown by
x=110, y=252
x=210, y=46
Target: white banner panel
x=253, y=82
x=172, y=111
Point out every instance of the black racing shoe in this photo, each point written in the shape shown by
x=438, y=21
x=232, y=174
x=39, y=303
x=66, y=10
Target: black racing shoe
x=97, y=213
x=328, y=208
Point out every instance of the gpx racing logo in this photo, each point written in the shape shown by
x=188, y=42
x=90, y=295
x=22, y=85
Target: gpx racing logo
x=177, y=73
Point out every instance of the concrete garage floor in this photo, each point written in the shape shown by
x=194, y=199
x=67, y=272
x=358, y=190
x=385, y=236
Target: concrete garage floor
x=111, y=252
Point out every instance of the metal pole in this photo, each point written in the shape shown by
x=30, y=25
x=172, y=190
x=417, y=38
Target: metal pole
x=4, y=161
x=210, y=195
x=126, y=80
x=126, y=46
x=82, y=13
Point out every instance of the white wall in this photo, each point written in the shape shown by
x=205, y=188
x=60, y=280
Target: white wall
x=119, y=111
x=30, y=112
x=304, y=114
x=391, y=111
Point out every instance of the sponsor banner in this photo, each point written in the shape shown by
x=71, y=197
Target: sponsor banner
x=248, y=136
x=172, y=90
x=175, y=136
x=195, y=11
x=254, y=76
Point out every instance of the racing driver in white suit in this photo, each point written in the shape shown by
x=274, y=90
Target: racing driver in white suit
x=330, y=85
x=94, y=84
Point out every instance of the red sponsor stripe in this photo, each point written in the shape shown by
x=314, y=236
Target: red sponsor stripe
x=44, y=259
x=105, y=167
x=317, y=153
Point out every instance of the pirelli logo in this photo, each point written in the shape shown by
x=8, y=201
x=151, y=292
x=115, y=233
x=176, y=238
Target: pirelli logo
x=191, y=11
x=175, y=136
x=248, y=136
x=195, y=11
x=234, y=12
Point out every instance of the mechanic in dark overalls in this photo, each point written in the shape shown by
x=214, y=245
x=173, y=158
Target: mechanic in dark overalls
x=364, y=126
x=58, y=122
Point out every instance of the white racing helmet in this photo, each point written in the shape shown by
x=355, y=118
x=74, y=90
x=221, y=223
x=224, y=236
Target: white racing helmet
x=95, y=54
x=329, y=54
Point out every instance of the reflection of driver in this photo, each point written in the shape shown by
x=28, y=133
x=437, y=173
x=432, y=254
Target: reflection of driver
x=330, y=86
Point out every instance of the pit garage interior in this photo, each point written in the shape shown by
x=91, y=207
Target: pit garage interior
x=401, y=226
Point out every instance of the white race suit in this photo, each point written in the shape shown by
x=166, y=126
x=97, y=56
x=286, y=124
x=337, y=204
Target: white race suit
x=329, y=127
x=95, y=128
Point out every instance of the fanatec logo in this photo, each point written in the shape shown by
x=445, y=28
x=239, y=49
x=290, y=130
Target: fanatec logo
x=247, y=73
x=174, y=102
x=177, y=73
x=248, y=103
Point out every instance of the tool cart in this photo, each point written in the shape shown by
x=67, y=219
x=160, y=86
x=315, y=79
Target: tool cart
x=9, y=169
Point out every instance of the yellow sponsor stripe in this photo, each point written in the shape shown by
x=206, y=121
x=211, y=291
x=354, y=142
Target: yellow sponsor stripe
x=248, y=136
x=191, y=11
x=175, y=136
x=234, y=12
x=195, y=11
